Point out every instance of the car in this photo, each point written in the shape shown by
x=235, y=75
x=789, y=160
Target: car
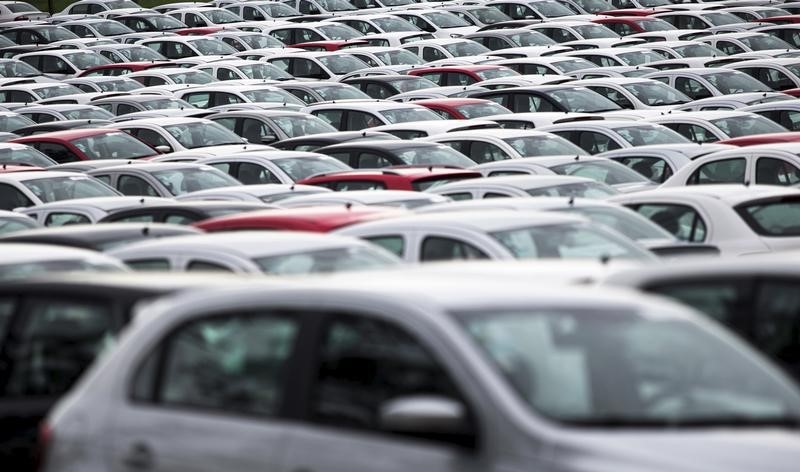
x=97, y=237
x=490, y=145
x=558, y=65
x=477, y=15
x=317, y=65
x=595, y=137
x=63, y=64
x=263, y=193
x=206, y=16
x=463, y=75
x=83, y=210
x=125, y=104
x=33, y=92
x=322, y=91
x=780, y=74
x=731, y=217
x=181, y=212
x=151, y=21
x=734, y=101
x=179, y=47
x=22, y=155
x=789, y=33
x=498, y=39
x=216, y=95
x=37, y=34
x=263, y=10
x=25, y=189
x=321, y=219
x=268, y=126
x=240, y=69
x=247, y=40
x=449, y=91
x=611, y=71
x=96, y=28
x=698, y=19
x=617, y=56
x=671, y=35
x=379, y=154
x=636, y=93
x=785, y=113
x=600, y=169
x=385, y=86
x=99, y=84
x=316, y=141
x=173, y=76
x=396, y=178
x=548, y=98
x=736, y=43
x=534, y=9
x=48, y=113
x=462, y=108
x=758, y=139
x=440, y=23
x=471, y=235
x=386, y=198
x=629, y=25
x=524, y=186
x=704, y=83
x=712, y=126
x=565, y=31
x=532, y=120
x=12, y=221
x=280, y=167
x=120, y=68
x=395, y=39
x=375, y=23
x=659, y=162
x=14, y=68
x=420, y=129
x=431, y=50
x=162, y=179
x=87, y=144
x=359, y=115
x=771, y=164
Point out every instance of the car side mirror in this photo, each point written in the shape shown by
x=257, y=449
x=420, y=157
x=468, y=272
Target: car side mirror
x=424, y=415
x=163, y=149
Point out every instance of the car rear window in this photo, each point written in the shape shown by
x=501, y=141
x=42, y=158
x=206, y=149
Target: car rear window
x=777, y=217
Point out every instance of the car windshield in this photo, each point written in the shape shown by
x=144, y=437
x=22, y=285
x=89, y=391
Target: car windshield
x=264, y=70
x=299, y=168
x=15, y=68
x=498, y=73
x=117, y=145
x=566, y=365
x=643, y=135
x=543, y=145
x=445, y=20
x=567, y=241
x=85, y=60
x=582, y=100
x=465, y=48
x=25, y=156
x=606, y=171
x=56, y=33
x=391, y=24
x=404, y=115
x=412, y=84
x=197, y=77
x=623, y=220
x=279, y=10
x=654, y=24
x=91, y=113
x=212, y=47
x=721, y=18
x=271, y=95
x=337, y=5
x=341, y=64
x=577, y=189
x=595, y=32
x=111, y=28
x=655, y=93
x=201, y=134
x=569, y=65
x=327, y=260
x=730, y=82
x=54, y=189
x=166, y=22
x=120, y=85
x=193, y=179
x=11, y=123
x=399, y=57
x=166, y=104
x=764, y=41
x=489, y=15
x=40, y=268
x=140, y=54
x=478, y=110
x=637, y=58
x=261, y=41
x=340, y=92
x=747, y=125
x=302, y=125
x=434, y=155
x=551, y=9
x=698, y=50
x=339, y=32
x=20, y=7
x=220, y=16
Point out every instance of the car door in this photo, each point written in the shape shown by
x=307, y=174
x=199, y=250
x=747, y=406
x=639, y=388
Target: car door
x=361, y=362
x=210, y=386
x=692, y=88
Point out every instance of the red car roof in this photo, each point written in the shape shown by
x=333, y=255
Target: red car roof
x=475, y=68
x=450, y=102
x=331, y=45
x=6, y=168
x=411, y=172
x=318, y=219
x=634, y=12
x=769, y=138
x=67, y=135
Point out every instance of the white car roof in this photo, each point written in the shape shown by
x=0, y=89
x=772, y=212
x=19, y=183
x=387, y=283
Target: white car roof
x=731, y=194
x=101, y=203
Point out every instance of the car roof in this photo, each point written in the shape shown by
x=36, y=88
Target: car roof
x=320, y=218
x=483, y=221
x=102, y=203
x=732, y=194
x=518, y=181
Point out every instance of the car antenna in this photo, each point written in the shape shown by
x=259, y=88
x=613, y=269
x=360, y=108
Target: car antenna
x=292, y=188
x=746, y=183
x=577, y=157
x=571, y=201
x=348, y=205
x=605, y=259
x=145, y=231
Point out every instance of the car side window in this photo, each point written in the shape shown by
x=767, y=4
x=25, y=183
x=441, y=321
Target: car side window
x=199, y=99
x=789, y=119
x=365, y=363
x=57, y=340
x=459, y=195
x=347, y=185
x=197, y=265
x=614, y=95
x=124, y=109
x=332, y=117
x=153, y=138
x=777, y=321
x=234, y=363
x=481, y=152
x=56, y=152
x=694, y=133
x=654, y=168
x=368, y=160
x=178, y=219
x=254, y=174
x=11, y=197
x=771, y=171
x=358, y=120
x=729, y=48
x=132, y=185
x=392, y=243
x=683, y=221
x=438, y=248
x=595, y=143
x=692, y=88
x=64, y=219
x=430, y=54
x=725, y=171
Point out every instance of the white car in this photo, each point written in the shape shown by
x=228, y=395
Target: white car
x=735, y=101
x=84, y=210
x=708, y=82
x=784, y=112
x=421, y=129
x=63, y=64
x=162, y=179
x=531, y=120
x=202, y=16
x=737, y=219
x=711, y=126
x=274, y=167
x=170, y=76
x=659, y=162
x=491, y=145
x=524, y=186
x=750, y=41
x=317, y=65
x=595, y=137
x=222, y=94
x=376, y=23
x=770, y=164
x=29, y=260
x=564, y=31
x=359, y=115
x=440, y=23
x=636, y=93
x=26, y=189
x=253, y=252
x=379, y=56
x=611, y=71
x=241, y=69
x=545, y=65
x=180, y=47
x=679, y=49
x=617, y=56
x=431, y=50
x=496, y=234
x=395, y=39
x=290, y=33
x=265, y=193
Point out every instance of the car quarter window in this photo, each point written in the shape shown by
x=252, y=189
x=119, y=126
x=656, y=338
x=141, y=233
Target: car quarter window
x=439, y=248
x=64, y=219
x=231, y=363
x=147, y=265
x=392, y=243
x=771, y=171
x=197, y=265
x=134, y=186
x=57, y=152
x=654, y=168
x=683, y=221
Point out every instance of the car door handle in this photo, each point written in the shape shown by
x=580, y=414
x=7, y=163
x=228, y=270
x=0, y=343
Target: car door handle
x=139, y=457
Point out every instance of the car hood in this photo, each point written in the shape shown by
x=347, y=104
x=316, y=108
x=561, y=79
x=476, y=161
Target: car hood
x=695, y=450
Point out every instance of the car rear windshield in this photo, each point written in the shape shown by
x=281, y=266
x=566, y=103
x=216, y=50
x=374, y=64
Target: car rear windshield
x=777, y=218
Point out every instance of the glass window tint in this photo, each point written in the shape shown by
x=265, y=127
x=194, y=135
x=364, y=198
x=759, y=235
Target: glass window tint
x=132, y=185
x=57, y=341
x=777, y=218
x=64, y=219
x=777, y=321
x=771, y=171
x=654, y=168
x=254, y=174
x=233, y=363
x=147, y=265
x=177, y=219
x=393, y=244
x=726, y=171
x=206, y=266
x=680, y=220
x=717, y=299
x=364, y=363
x=436, y=248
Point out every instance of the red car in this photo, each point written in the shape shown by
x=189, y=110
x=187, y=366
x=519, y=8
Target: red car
x=121, y=68
x=770, y=138
x=462, y=75
x=88, y=144
x=625, y=25
x=392, y=178
x=780, y=20
x=331, y=45
x=634, y=12
x=462, y=108
x=8, y=168
x=318, y=219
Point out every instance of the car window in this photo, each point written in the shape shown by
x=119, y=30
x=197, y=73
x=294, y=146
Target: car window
x=132, y=185
x=64, y=219
x=178, y=219
x=694, y=133
x=206, y=266
x=254, y=174
x=724, y=300
x=614, y=95
x=368, y=160
x=146, y=265
x=692, y=88
x=56, y=152
x=725, y=171
x=11, y=197
x=230, y=364
x=357, y=185
x=57, y=340
x=770, y=171
x=393, y=244
x=436, y=248
x=654, y=168
x=684, y=222
x=777, y=321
